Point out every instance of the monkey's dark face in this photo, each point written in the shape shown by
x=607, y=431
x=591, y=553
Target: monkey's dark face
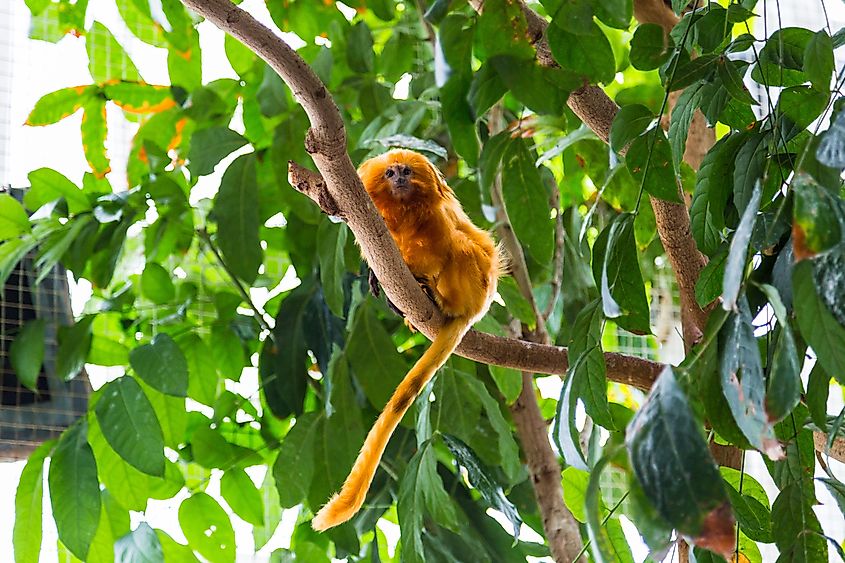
x=404, y=176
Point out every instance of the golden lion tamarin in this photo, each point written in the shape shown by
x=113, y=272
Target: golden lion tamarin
x=455, y=260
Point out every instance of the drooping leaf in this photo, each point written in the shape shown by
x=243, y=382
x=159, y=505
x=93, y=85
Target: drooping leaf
x=815, y=225
x=738, y=253
x=818, y=326
x=156, y=284
x=591, y=374
x=650, y=47
x=94, y=129
x=827, y=275
x=628, y=124
x=27, y=353
x=679, y=124
x=565, y=433
x=617, y=272
x=818, y=60
x=26, y=536
x=74, y=343
x=783, y=390
x=162, y=365
x=672, y=463
x=480, y=478
x=236, y=211
x=74, y=490
x=331, y=242
x=796, y=529
x=295, y=463
x=588, y=55
x=420, y=492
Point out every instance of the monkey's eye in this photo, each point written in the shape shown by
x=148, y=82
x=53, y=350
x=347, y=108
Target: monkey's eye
x=389, y=173
x=406, y=171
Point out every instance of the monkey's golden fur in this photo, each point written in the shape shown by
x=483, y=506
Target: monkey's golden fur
x=458, y=262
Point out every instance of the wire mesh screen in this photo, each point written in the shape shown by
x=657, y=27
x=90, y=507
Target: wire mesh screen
x=31, y=416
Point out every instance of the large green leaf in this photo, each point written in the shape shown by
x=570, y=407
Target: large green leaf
x=712, y=188
x=162, y=365
x=207, y=528
x=26, y=536
x=47, y=185
x=818, y=60
x=282, y=366
x=420, y=492
x=331, y=242
x=74, y=343
x=116, y=64
x=797, y=532
x=818, y=326
x=236, y=211
x=649, y=159
x=74, y=490
x=784, y=382
x=616, y=269
x=527, y=203
x=13, y=218
x=672, y=463
x=628, y=124
x=587, y=55
x=454, y=76
x=743, y=383
x=589, y=369
x=55, y=106
x=130, y=426
x=738, y=253
x=815, y=223
x=27, y=353
x=209, y=146
x=242, y=496
x=294, y=465
x=827, y=275
x=650, y=47
x=679, y=123
x=93, y=131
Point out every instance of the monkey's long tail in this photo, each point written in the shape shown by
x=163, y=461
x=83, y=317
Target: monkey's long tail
x=344, y=504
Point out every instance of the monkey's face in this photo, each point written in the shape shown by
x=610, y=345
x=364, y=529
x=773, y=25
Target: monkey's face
x=404, y=176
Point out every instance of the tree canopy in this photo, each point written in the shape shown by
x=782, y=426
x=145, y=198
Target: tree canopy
x=606, y=144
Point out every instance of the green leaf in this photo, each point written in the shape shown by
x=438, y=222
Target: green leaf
x=141, y=545
x=359, y=51
x=130, y=426
x=628, y=124
x=27, y=353
x=203, y=383
x=617, y=272
x=239, y=55
x=733, y=82
x=818, y=327
x=162, y=365
x=454, y=76
x=74, y=343
x=690, y=72
x=331, y=244
x=650, y=47
x=542, y=89
x=672, y=463
x=242, y=496
x=282, y=365
x=574, y=492
x=743, y=383
x=156, y=284
x=590, y=372
x=74, y=490
x=527, y=202
x=802, y=104
x=116, y=65
x=614, y=13
x=207, y=528
x=93, y=130
x=294, y=465
x=797, y=531
x=658, y=177
x=272, y=515
x=47, y=185
x=55, y=106
x=421, y=491
x=784, y=383
x=781, y=60
x=13, y=219
x=238, y=222
x=587, y=55
x=738, y=253
x=499, y=15
x=371, y=353
x=818, y=60
x=600, y=543
x=209, y=146
x=709, y=285
x=712, y=188
x=679, y=123
x=481, y=479
x=486, y=89
x=26, y=537
x=508, y=381
x=818, y=390
x=752, y=516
